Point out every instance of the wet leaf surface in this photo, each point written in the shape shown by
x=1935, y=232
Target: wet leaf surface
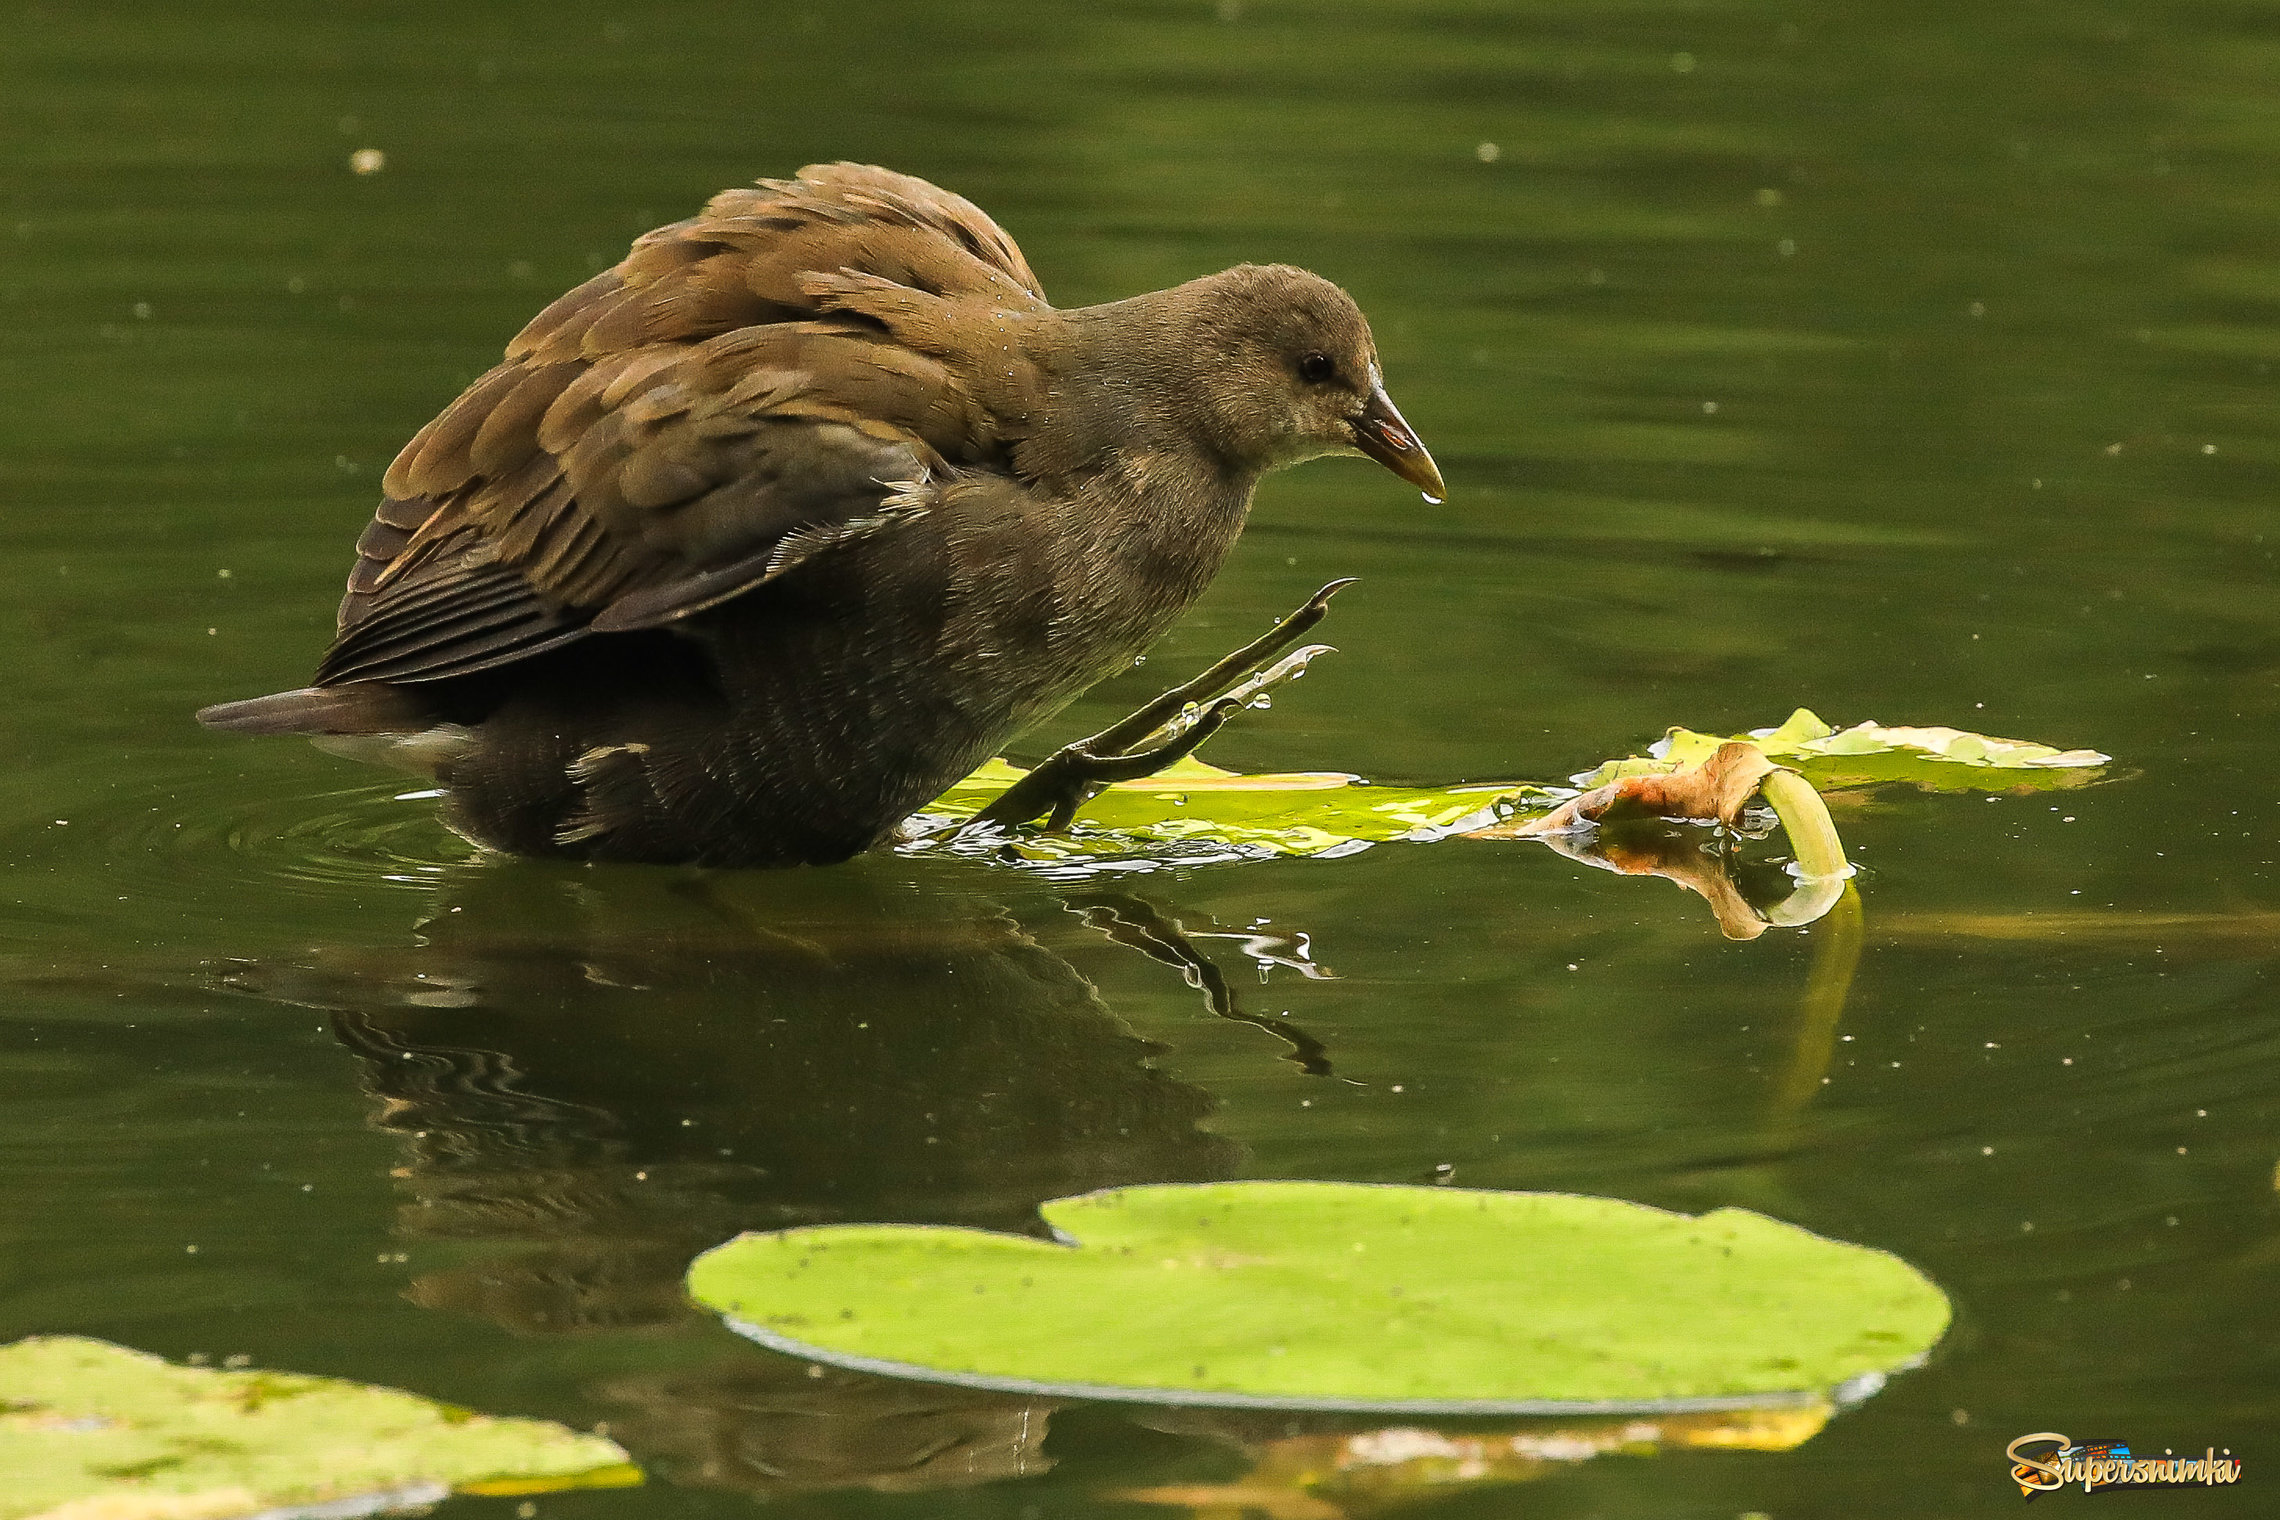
x=1193, y=812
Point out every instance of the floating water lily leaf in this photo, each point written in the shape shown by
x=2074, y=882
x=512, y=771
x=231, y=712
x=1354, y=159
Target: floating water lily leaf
x=1340, y=1295
x=1937, y=759
x=1196, y=813
x=93, y=1431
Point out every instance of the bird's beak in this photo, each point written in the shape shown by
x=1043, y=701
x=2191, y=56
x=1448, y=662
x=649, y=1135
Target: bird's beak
x=1382, y=433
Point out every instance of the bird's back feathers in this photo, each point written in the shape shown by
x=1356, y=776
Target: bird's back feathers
x=769, y=371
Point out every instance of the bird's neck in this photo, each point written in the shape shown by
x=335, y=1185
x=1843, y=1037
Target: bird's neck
x=1148, y=506
x=1126, y=406
x=1137, y=450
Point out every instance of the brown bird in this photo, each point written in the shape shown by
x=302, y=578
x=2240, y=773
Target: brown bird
x=757, y=542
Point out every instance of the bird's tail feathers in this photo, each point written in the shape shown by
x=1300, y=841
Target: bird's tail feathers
x=358, y=707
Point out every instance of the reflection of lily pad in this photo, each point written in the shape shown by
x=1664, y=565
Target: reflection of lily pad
x=93, y=1431
x=1197, y=813
x=1335, y=1475
x=1334, y=1295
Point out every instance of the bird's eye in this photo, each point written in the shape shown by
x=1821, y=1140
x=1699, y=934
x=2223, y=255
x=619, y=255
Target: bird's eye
x=1316, y=369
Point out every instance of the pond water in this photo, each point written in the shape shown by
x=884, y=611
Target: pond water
x=1910, y=363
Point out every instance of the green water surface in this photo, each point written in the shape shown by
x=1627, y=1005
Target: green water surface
x=1909, y=362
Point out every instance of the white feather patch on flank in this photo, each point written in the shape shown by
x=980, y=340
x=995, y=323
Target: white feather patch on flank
x=585, y=821
x=589, y=765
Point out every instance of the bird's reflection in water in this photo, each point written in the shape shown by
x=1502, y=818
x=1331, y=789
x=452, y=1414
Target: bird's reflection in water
x=759, y=1423
x=622, y=1069
x=596, y=1075
x=1141, y=925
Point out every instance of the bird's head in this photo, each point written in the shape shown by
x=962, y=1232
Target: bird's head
x=1286, y=370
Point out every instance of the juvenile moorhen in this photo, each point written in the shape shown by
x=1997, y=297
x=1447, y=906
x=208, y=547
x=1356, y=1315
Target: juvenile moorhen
x=758, y=541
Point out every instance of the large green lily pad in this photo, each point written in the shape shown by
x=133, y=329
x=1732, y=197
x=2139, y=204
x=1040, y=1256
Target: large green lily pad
x=1344, y=1296
x=1196, y=813
x=93, y=1431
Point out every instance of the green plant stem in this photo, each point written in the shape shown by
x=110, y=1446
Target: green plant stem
x=1813, y=840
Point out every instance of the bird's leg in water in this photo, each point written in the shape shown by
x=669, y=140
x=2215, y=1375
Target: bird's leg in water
x=1167, y=729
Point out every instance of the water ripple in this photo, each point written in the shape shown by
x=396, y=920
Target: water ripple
x=203, y=843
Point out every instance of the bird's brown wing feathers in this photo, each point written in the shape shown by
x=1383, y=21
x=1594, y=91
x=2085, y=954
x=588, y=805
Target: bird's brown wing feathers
x=676, y=429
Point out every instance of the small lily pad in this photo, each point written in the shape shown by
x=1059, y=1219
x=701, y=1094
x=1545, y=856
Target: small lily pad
x=1194, y=813
x=1344, y=1296
x=94, y=1431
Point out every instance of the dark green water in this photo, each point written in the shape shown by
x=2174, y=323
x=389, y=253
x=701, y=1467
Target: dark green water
x=1909, y=362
